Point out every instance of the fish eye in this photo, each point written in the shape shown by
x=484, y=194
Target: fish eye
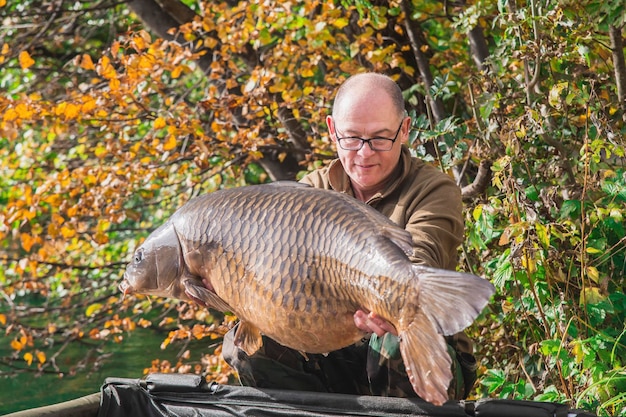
x=138, y=256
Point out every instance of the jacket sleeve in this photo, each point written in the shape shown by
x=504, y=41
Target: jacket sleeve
x=434, y=218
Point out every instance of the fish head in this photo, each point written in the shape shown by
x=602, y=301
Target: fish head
x=156, y=266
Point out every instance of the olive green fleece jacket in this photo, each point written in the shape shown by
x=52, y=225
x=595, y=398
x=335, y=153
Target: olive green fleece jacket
x=420, y=198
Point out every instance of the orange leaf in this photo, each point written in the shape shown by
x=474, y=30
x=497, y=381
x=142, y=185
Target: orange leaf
x=41, y=357
x=170, y=144
x=3, y=319
x=139, y=43
x=25, y=60
x=28, y=357
x=87, y=63
x=27, y=241
x=106, y=69
x=114, y=84
x=71, y=111
x=17, y=345
x=89, y=105
x=144, y=323
x=177, y=71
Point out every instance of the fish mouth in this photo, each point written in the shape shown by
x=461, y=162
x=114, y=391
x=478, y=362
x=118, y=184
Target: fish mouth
x=125, y=287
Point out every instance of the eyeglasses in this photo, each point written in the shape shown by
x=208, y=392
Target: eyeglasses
x=355, y=143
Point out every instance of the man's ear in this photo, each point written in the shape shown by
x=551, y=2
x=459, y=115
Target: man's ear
x=405, y=130
x=331, y=128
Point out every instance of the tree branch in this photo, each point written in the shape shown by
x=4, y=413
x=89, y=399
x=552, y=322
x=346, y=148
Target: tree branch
x=480, y=183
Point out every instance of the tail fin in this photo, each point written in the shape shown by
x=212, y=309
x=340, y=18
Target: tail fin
x=426, y=360
x=451, y=300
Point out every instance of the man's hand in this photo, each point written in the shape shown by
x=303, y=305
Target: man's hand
x=372, y=323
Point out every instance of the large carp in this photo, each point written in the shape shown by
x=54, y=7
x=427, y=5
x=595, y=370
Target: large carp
x=295, y=262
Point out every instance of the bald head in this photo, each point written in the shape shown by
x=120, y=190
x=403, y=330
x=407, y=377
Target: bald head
x=368, y=86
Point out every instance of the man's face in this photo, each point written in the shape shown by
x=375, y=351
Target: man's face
x=368, y=116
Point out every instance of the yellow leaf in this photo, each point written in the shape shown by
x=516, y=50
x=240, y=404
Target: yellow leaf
x=28, y=357
x=68, y=232
x=340, y=23
x=25, y=60
x=100, y=150
x=159, y=123
x=3, y=3
x=5, y=47
x=92, y=309
x=591, y=295
x=578, y=352
x=3, y=319
x=41, y=357
x=87, y=63
x=529, y=263
x=170, y=144
x=477, y=212
x=543, y=234
x=593, y=274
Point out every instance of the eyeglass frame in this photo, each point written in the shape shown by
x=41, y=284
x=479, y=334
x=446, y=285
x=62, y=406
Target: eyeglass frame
x=369, y=141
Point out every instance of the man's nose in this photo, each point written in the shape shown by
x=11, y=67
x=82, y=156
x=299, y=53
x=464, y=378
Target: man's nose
x=366, y=149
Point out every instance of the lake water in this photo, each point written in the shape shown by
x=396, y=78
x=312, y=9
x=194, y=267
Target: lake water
x=129, y=359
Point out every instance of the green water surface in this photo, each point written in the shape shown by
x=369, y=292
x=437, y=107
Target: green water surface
x=127, y=360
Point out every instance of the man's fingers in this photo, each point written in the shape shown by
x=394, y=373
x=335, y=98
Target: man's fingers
x=372, y=323
x=382, y=325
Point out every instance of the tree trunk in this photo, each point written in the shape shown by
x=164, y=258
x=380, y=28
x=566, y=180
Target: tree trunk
x=478, y=46
x=619, y=65
x=412, y=29
x=154, y=17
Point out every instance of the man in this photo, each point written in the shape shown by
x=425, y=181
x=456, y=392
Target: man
x=370, y=129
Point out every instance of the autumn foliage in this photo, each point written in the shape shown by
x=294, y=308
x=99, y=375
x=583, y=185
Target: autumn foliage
x=108, y=125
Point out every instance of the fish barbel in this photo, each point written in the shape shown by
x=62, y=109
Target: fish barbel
x=295, y=263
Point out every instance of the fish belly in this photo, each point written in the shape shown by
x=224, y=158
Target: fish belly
x=311, y=314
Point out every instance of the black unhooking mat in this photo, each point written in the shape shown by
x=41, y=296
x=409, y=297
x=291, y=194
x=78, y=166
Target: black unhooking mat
x=172, y=395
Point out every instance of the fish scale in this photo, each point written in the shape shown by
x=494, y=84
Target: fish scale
x=295, y=263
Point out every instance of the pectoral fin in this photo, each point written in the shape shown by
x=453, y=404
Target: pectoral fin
x=426, y=360
x=248, y=338
x=201, y=294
